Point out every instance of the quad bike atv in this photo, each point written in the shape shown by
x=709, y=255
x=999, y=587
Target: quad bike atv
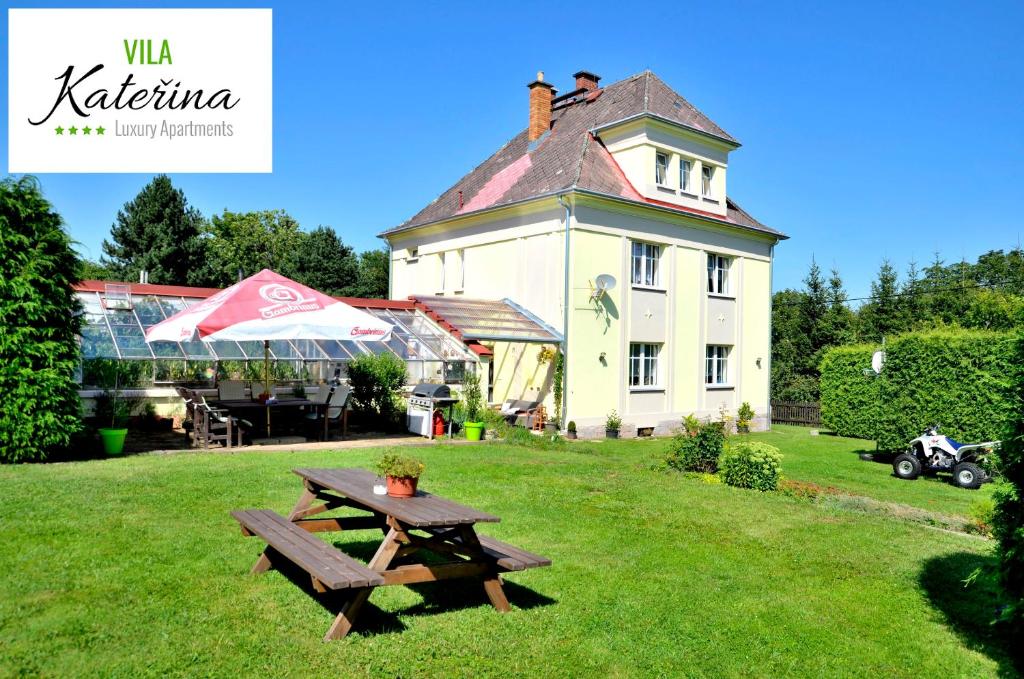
x=934, y=452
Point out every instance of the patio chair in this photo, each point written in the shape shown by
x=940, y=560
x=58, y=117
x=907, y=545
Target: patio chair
x=189, y=423
x=336, y=411
x=520, y=413
x=231, y=390
x=216, y=425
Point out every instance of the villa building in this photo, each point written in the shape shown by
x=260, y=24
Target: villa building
x=607, y=222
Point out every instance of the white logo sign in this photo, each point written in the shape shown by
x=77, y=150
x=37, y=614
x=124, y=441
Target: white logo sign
x=284, y=299
x=139, y=90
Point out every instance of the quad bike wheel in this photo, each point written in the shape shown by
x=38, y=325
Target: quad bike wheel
x=968, y=475
x=906, y=466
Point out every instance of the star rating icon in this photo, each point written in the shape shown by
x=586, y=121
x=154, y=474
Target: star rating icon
x=86, y=131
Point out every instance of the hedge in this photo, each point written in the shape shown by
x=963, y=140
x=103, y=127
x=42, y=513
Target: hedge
x=1008, y=518
x=960, y=379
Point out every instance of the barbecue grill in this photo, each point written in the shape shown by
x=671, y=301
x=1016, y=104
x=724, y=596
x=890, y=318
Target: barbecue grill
x=426, y=398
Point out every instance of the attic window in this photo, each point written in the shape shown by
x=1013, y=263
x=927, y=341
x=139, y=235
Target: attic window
x=414, y=254
x=660, y=168
x=707, y=172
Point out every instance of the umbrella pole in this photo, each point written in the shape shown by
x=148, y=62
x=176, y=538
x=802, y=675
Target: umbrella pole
x=266, y=378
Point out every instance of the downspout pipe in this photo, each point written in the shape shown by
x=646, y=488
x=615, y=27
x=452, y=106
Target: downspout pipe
x=565, y=316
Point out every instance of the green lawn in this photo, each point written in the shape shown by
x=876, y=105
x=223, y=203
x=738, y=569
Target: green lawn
x=835, y=461
x=133, y=567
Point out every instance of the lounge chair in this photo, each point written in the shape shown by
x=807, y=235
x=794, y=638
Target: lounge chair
x=519, y=412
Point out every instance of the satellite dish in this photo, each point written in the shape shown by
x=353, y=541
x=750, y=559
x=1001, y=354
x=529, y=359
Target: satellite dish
x=602, y=284
x=877, y=359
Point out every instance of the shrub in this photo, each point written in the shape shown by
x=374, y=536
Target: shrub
x=572, y=426
x=39, y=314
x=982, y=511
x=752, y=464
x=744, y=415
x=472, y=397
x=691, y=425
x=613, y=421
x=957, y=378
x=376, y=382
x=698, y=453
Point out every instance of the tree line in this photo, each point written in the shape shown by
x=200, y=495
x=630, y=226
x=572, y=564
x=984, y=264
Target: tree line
x=160, y=233
x=985, y=294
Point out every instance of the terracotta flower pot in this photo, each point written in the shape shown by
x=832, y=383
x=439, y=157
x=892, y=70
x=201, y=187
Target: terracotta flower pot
x=401, y=486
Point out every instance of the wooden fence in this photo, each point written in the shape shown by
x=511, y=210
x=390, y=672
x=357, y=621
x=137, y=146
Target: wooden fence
x=789, y=412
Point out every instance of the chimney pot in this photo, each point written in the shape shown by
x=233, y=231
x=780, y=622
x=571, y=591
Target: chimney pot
x=541, y=94
x=585, y=80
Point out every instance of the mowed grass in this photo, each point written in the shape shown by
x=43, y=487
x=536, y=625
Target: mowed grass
x=835, y=461
x=133, y=567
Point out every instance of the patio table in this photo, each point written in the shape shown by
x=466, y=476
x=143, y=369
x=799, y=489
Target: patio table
x=246, y=407
x=411, y=527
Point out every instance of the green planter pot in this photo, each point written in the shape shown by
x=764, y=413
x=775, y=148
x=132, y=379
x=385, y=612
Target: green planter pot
x=474, y=430
x=113, y=440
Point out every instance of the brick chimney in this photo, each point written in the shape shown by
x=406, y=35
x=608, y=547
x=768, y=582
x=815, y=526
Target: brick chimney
x=585, y=80
x=541, y=94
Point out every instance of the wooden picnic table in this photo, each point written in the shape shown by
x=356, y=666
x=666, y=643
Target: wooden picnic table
x=411, y=526
x=246, y=407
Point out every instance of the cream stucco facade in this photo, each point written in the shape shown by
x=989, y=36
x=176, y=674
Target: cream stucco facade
x=545, y=254
x=519, y=253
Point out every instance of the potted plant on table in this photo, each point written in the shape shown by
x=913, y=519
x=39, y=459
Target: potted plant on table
x=743, y=418
x=570, y=431
x=612, y=424
x=474, y=407
x=402, y=473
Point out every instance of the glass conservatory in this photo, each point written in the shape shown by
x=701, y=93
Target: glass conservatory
x=114, y=335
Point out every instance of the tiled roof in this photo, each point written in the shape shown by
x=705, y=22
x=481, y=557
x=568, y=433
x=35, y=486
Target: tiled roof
x=203, y=293
x=571, y=157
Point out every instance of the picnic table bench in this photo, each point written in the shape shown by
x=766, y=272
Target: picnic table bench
x=423, y=523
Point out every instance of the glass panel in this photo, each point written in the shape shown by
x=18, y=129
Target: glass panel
x=282, y=349
x=172, y=305
x=148, y=310
x=252, y=349
x=97, y=342
x=333, y=350
x=353, y=347
x=225, y=349
x=309, y=350
x=128, y=334
x=166, y=349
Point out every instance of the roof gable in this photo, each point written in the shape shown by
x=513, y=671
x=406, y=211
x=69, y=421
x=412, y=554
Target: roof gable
x=570, y=157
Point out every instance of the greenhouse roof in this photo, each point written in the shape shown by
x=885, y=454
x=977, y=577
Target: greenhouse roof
x=483, y=319
x=118, y=314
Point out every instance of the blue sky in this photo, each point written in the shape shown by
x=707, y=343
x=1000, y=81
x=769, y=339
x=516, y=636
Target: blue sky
x=869, y=130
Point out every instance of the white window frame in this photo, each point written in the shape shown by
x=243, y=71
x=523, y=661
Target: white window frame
x=460, y=255
x=441, y=255
x=707, y=174
x=685, y=168
x=645, y=264
x=719, y=267
x=661, y=170
x=716, y=365
x=644, y=366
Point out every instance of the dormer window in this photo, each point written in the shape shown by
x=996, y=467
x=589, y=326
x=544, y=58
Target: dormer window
x=684, y=174
x=706, y=173
x=660, y=168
